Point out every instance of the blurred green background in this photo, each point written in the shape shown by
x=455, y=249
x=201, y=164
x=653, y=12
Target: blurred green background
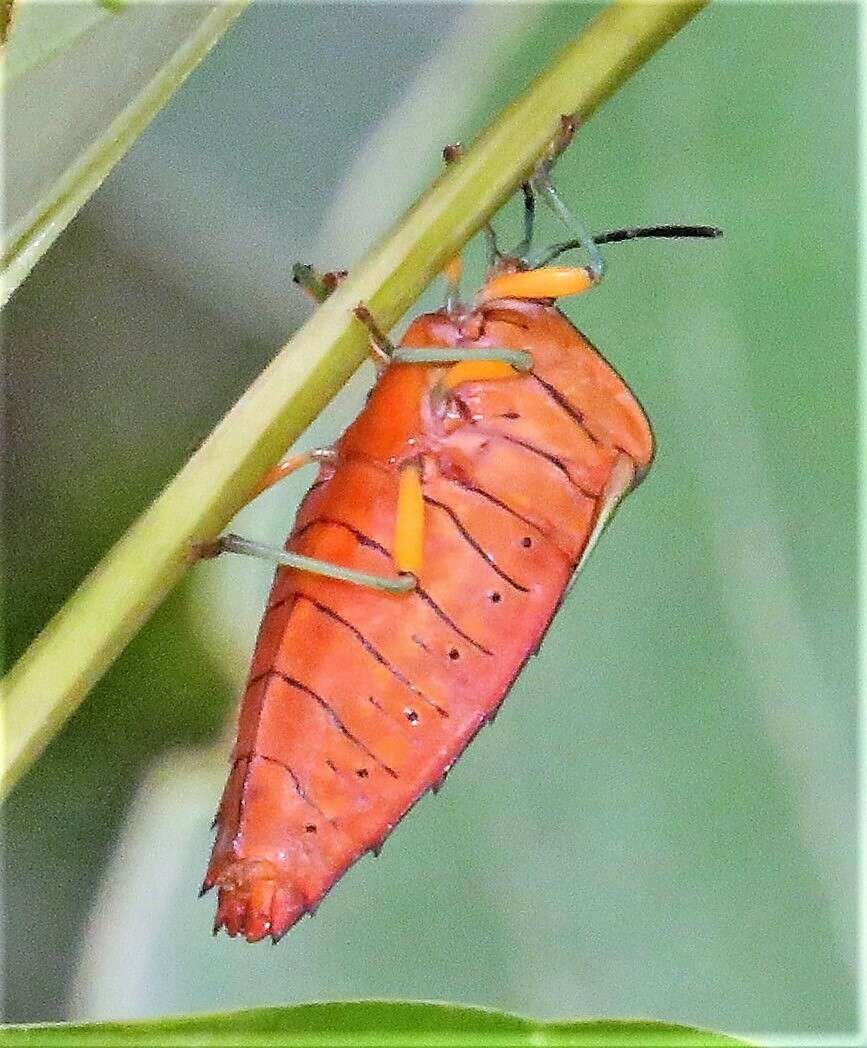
x=662, y=821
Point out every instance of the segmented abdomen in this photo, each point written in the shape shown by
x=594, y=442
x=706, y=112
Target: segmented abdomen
x=359, y=701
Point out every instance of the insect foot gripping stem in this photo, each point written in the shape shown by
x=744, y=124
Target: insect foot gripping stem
x=382, y=349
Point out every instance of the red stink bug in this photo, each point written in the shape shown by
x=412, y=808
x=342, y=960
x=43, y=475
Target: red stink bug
x=426, y=563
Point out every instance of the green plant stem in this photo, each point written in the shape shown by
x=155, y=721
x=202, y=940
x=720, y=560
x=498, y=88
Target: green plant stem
x=117, y=597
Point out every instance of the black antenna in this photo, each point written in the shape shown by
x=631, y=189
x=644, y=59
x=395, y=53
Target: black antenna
x=671, y=232
x=615, y=236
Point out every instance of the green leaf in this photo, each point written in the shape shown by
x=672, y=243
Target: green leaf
x=354, y=1024
x=82, y=81
x=35, y=32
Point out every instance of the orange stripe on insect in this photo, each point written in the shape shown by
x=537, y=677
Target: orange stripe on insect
x=409, y=521
x=548, y=282
x=476, y=371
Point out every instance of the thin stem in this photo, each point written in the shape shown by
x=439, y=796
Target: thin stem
x=114, y=601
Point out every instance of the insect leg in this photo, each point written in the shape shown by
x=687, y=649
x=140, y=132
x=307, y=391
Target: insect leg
x=576, y=226
x=381, y=347
x=468, y=365
x=450, y=355
x=404, y=583
x=544, y=186
x=523, y=246
x=284, y=468
x=494, y=254
x=454, y=269
x=289, y=465
x=453, y=272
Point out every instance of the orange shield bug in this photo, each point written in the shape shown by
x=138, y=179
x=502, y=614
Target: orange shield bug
x=426, y=563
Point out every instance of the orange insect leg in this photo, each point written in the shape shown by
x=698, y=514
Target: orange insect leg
x=290, y=465
x=283, y=469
